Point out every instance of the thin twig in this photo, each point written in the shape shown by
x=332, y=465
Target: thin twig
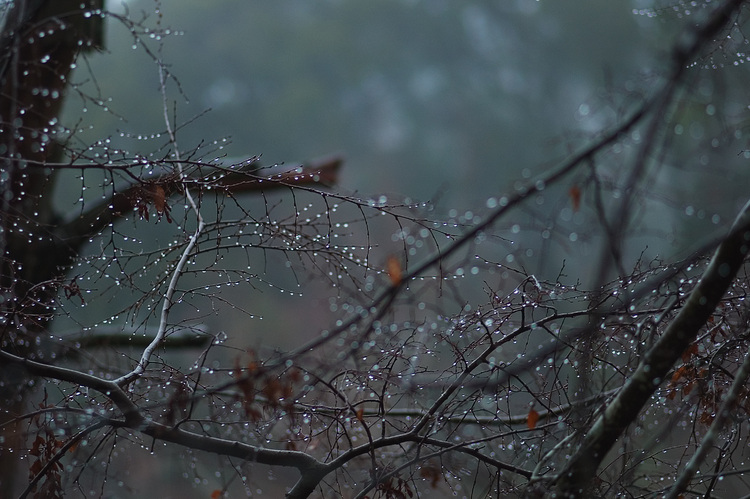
x=722, y=417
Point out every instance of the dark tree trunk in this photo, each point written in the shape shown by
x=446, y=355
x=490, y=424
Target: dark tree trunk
x=39, y=44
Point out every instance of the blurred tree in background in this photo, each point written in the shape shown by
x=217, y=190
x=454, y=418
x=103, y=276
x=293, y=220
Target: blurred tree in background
x=179, y=312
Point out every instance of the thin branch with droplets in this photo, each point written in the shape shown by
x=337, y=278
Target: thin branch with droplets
x=167, y=304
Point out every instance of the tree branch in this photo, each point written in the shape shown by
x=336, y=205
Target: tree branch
x=110, y=389
x=166, y=308
x=721, y=419
x=78, y=231
x=445, y=447
x=59, y=455
x=624, y=408
x=311, y=469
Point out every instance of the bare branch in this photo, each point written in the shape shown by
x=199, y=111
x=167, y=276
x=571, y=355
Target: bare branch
x=722, y=418
x=101, y=215
x=653, y=369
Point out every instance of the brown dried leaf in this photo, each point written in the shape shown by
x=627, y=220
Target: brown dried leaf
x=690, y=352
x=394, y=271
x=688, y=387
x=575, y=197
x=679, y=373
x=432, y=473
x=532, y=419
x=160, y=198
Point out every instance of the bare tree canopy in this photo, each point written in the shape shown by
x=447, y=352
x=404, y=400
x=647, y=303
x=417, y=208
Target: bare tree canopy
x=428, y=355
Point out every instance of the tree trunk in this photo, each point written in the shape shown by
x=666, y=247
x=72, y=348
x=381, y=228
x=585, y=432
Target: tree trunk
x=39, y=44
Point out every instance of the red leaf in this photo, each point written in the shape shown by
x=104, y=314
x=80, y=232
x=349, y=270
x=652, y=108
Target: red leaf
x=393, y=269
x=689, y=352
x=532, y=419
x=688, y=386
x=575, y=197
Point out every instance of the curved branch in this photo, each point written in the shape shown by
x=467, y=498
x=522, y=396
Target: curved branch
x=446, y=447
x=166, y=308
x=311, y=469
x=110, y=389
x=77, y=232
x=305, y=463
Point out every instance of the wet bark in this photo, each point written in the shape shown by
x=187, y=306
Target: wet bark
x=39, y=43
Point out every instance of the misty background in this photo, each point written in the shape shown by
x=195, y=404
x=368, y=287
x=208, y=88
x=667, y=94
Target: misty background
x=452, y=104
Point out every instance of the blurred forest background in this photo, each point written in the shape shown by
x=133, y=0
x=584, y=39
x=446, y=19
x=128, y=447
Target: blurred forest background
x=448, y=102
x=430, y=99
